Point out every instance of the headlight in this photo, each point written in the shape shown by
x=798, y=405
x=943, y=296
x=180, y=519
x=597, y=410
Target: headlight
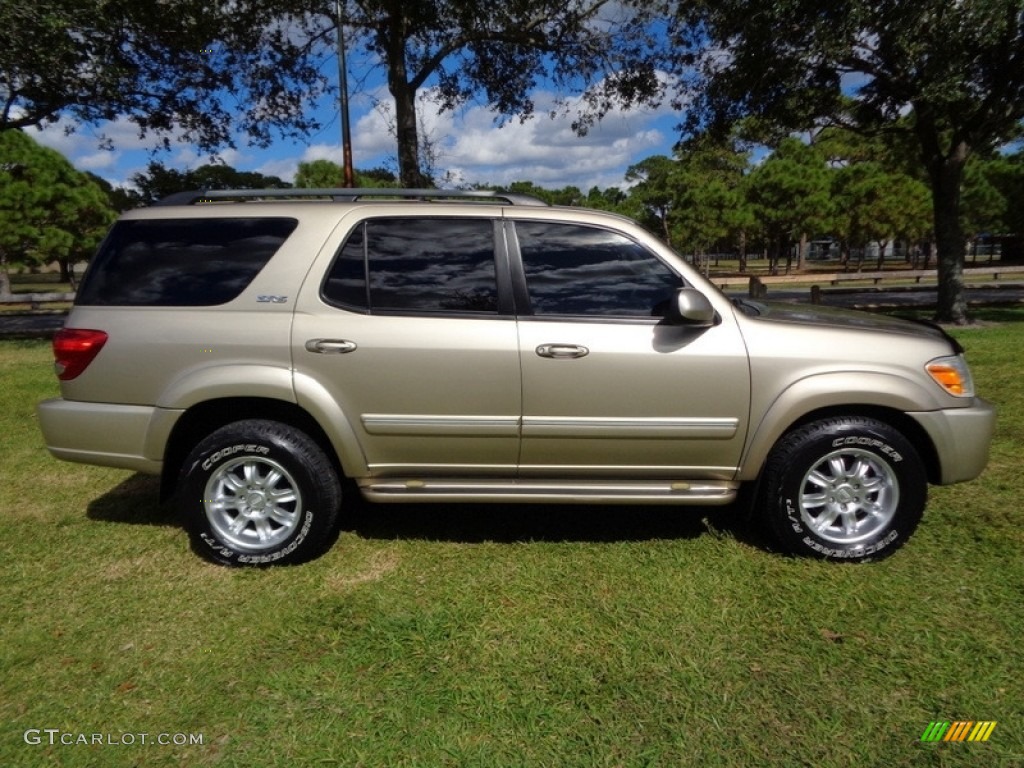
x=952, y=374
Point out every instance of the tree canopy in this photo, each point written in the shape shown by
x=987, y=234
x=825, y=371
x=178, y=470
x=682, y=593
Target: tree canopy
x=498, y=52
x=204, y=72
x=48, y=210
x=159, y=181
x=324, y=174
x=950, y=76
x=192, y=70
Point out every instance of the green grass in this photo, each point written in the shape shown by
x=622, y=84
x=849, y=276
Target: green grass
x=497, y=636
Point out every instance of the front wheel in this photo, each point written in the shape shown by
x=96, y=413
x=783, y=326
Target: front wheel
x=846, y=489
x=259, y=492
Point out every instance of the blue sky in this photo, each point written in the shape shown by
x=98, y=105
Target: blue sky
x=471, y=146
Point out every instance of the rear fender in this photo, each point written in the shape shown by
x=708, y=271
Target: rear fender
x=314, y=398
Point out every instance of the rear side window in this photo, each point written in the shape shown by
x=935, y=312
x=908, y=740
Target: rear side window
x=416, y=265
x=181, y=262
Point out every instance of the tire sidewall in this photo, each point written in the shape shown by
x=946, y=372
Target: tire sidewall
x=805, y=448
x=320, y=496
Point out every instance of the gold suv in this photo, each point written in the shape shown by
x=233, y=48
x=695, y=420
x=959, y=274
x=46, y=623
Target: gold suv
x=255, y=347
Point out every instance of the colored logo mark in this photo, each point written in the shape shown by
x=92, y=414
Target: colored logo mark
x=961, y=730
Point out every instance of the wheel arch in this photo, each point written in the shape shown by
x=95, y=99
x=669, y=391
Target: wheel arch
x=765, y=438
x=206, y=417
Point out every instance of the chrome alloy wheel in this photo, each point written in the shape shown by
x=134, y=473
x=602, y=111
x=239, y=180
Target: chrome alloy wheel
x=252, y=503
x=849, y=495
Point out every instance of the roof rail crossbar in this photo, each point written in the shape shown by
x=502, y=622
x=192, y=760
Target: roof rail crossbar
x=200, y=196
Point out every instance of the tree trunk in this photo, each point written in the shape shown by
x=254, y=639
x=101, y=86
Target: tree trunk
x=946, y=175
x=5, y=279
x=404, y=93
x=743, y=251
x=801, y=254
x=65, y=271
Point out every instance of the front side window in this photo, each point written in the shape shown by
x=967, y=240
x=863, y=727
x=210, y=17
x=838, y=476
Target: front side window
x=181, y=262
x=585, y=271
x=416, y=265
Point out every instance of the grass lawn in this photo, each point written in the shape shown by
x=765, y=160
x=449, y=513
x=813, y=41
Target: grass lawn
x=503, y=636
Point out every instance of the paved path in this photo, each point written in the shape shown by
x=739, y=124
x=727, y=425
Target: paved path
x=906, y=297
x=30, y=326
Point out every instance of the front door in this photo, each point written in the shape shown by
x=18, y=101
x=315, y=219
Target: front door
x=609, y=388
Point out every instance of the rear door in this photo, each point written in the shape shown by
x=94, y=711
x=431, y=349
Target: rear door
x=413, y=333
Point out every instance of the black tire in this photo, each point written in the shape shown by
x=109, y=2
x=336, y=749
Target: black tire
x=850, y=489
x=258, y=492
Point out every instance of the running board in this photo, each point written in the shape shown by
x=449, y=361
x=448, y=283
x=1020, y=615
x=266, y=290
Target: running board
x=703, y=492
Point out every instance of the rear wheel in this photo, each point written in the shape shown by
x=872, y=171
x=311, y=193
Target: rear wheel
x=259, y=492
x=847, y=489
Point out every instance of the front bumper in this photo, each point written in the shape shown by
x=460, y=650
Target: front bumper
x=106, y=434
x=962, y=438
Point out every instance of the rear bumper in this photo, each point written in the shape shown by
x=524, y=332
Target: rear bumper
x=962, y=438
x=109, y=435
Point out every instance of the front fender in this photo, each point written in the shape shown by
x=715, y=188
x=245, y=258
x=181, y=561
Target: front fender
x=831, y=390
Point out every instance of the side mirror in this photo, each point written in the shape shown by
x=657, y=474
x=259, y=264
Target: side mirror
x=690, y=307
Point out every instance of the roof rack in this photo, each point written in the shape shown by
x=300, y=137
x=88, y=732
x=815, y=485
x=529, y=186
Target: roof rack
x=200, y=196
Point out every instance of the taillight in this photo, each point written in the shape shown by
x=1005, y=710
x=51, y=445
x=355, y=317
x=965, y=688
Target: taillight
x=74, y=349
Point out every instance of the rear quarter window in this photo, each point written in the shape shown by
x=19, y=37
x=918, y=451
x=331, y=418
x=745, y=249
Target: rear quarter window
x=181, y=262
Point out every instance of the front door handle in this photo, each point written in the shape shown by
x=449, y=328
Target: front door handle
x=330, y=346
x=562, y=351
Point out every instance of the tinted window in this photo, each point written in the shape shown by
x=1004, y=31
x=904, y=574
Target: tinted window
x=416, y=265
x=346, y=282
x=181, y=262
x=575, y=270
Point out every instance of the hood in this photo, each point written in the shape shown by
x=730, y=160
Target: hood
x=834, y=317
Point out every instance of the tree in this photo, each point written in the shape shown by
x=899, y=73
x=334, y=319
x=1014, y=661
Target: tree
x=202, y=72
x=694, y=201
x=48, y=210
x=710, y=206
x=790, y=196
x=948, y=76
x=875, y=205
x=653, y=190
x=121, y=199
x=158, y=181
x=325, y=174
x=1006, y=174
x=610, y=199
x=497, y=52
x=982, y=207
x=192, y=69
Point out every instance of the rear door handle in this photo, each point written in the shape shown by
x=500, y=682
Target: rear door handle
x=330, y=346
x=562, y=351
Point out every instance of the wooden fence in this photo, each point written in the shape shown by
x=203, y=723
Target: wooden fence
x=757, y=286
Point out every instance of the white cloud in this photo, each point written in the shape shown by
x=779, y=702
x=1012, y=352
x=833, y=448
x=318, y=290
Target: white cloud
x=469, y=144
x=544, y=149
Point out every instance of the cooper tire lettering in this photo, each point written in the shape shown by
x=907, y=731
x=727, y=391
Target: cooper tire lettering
x=259, y=493
x=850, y=489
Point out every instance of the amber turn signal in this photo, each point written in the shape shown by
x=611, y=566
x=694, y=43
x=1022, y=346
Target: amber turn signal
x=952, y=374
